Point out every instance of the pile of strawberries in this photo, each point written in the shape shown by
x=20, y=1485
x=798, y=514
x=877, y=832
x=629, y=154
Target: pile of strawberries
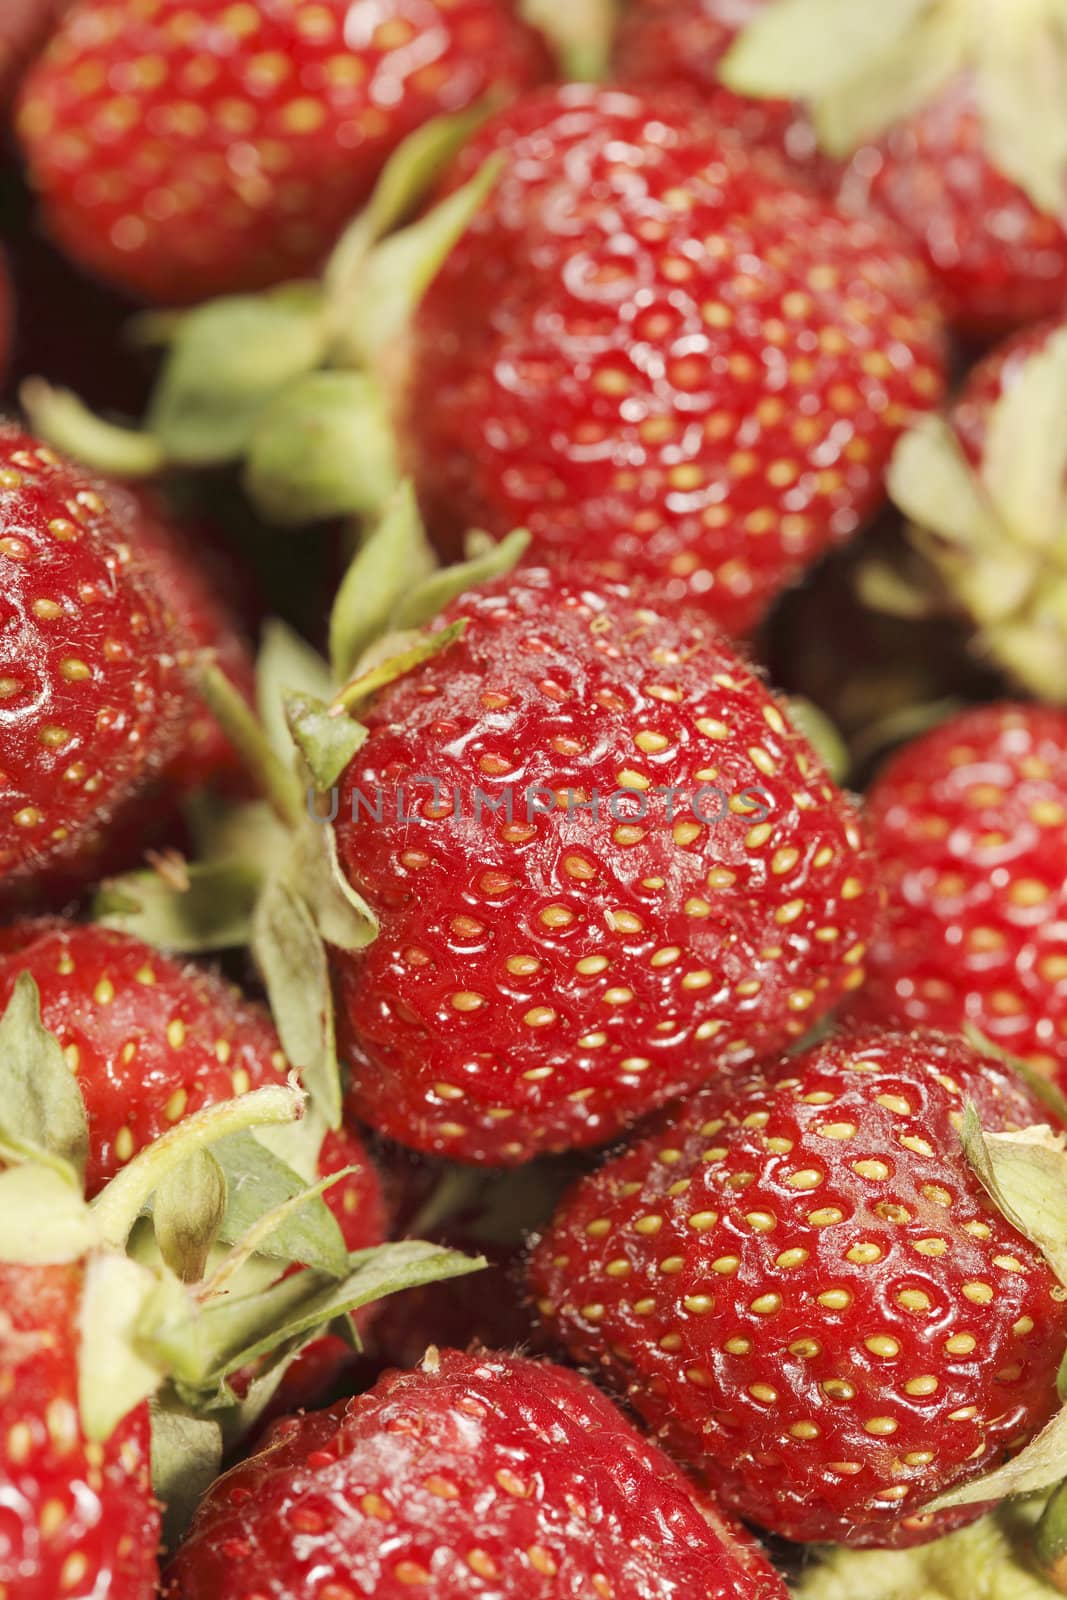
x=496, y=1099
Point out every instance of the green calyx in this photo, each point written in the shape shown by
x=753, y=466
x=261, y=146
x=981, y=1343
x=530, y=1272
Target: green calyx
x=996, y=537
x=581, y=33
x=862, y=68
x=990, y=1560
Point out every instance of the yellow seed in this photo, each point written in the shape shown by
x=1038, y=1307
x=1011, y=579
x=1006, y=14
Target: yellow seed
x=806, y=1178
x=980, y=1294
x=881, y=1427
x=864, y=1254
x=921, y=1386
x=791, y=1258
x=176, y=1033
x=765, y=1305
x=835, y=1299
x=805, y=1430
x=882, y=1344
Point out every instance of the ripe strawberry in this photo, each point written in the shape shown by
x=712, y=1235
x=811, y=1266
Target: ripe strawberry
x=947, y=117
x=152, y=1040
x=91, y=692
x=474, y=1475
x=24, y=27
x=185, y=571
x=542, y=980
x=682, y=42
x=718, y=416
x=186, y=151
x=968, y=824
x=799, y=1281
x=78, y=1518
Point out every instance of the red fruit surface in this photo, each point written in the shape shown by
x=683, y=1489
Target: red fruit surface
x=718, y=417
x=682, y=42
x=969, y=828
x=183, y=151
x=92, y=694
x=798, y=1280
x=464, y=1478
x=541, y=982
x=76, y=1519
x=185, y=572
x=24, y=26
x=153, y=1040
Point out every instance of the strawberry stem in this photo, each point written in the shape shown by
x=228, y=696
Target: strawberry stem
x=117, y=1207
x=1050, y=1540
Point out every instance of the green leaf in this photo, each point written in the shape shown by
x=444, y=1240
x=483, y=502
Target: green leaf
x=281, y=1220
x=1026, y=1175
x=186, y=1460
x=800, y=49
x=343, y=917
x=394, y=556
x=325, y=447
x=286, y=664
x=289, y=952
x=231, y=1333
x=61, y=419
x=395, y=275
x=229, y=358
x=214, y=911
x=118, y=1206
x=1024, y=459
x=581, y=33
x=816, y=727
x=249, y=738
x=42, y=1116
x=1021, y=83
x=404, y=181
x=259, y=1183
x=54, y=1222
x=429, y=598
x=326, y=742
x=404, y=658
x=189, y=1208
x=989, y=1560
x=114, y=1375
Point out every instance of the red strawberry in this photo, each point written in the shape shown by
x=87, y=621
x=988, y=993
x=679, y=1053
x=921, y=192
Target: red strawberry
x=185, y=571
x=24, y=27
x=541, y=981
x=969, y=826
x=152, y=1041
x=718, y=416
x=183, y=151
x=475, y=1475
x=676, y=42
x=947, y=117
x=77, y=1518
x=799, y=1281
x=91, y=693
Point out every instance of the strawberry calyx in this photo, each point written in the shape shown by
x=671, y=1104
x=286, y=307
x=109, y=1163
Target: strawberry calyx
x=287, y=380
x=1050, y=1540
x=581, y=34
x=861, y=69
x=988, y=1560
x=996, y=535
x=187, y=1251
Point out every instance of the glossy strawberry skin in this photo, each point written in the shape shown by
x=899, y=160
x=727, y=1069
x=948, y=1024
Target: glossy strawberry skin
x=465, y=1478
x=188, y=151
x=798, y=1279
x=153, y=1040
x=92, y=693
x=662, y=43
x=77, y=1519
x=968, y=824
x=540, y=983
x=716, y=417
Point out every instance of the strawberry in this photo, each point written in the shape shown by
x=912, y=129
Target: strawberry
x=984, y=489
x=682, y=42
x=718, y=417
x=186, y=572
x=540, y=980
x=78, y=1516
x=152, y=1041
x=474, y=1475
x=947, y=117
x=24, y=27
x=183, y=151
x=798, y=1280
x=92, y=694
x=968, y=826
